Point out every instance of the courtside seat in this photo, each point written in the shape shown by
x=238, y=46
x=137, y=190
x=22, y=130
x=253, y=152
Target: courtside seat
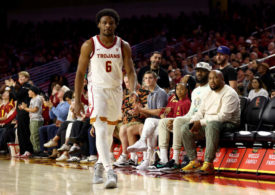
x=228, y=137
x=253, y=115
x=266, y=135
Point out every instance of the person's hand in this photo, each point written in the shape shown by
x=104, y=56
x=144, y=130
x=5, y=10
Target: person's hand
x=7, y=83
x=20, y=107
x=48, y=104
x=162, y=116
x=23, y=105
x=78, y=108
x=92, y=132
x=134, y=97
x=196, y=127
x=167, y=110
x=135, y=110
x=54, y=91
x=170, y=124
x=12, y=82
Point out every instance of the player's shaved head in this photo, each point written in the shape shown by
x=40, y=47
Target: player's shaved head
x=216, y=80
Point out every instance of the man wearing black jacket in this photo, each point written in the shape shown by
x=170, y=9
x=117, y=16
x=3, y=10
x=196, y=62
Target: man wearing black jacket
x=21, y=95
x=163, y=79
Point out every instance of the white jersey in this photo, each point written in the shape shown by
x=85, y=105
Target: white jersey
x=105, y=68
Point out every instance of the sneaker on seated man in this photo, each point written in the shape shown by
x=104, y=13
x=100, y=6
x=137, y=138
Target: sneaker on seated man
x=219, y=111
x=123, y=161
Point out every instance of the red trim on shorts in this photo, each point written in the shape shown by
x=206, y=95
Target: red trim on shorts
x=104, y=45
x=92, y=54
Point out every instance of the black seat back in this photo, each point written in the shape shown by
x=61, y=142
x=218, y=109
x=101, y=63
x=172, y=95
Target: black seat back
x=254, y=112
x=268, y=118
x=244, y=101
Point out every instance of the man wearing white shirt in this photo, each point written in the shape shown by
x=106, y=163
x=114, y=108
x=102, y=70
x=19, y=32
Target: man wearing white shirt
x=219, y=110
x=202, y=72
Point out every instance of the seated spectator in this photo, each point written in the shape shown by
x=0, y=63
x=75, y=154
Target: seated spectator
x=130, y=120
x=7, y=117
x=36, y=118
x=219, y=110
x=245, y=86
x=58, y=113
x=264, y=73
x=178, y=105
x=156, y=100
x=258, y=89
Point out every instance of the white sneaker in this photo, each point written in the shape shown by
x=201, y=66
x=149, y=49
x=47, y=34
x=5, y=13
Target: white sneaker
x=27, y=154
x=121, y=161
x=62, y=158
x=143, y=166
x=73, y=159
x=111, y=181
x=139, y=146
x=74, y=149
x=90, y=159
x=50, y=144
x=98, y=173
x=63, y=148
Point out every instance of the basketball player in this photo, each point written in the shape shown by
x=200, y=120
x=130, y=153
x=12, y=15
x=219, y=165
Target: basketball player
x=104, y=55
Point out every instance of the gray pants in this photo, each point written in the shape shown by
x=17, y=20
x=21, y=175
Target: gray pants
x=211, y=132
x=164, y=132
x=34, y=129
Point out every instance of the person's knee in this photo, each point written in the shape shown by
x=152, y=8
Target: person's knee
x=185, y=130
x=213, y=125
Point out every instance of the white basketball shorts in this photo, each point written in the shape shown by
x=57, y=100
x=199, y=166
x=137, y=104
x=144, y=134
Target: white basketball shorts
x=105, y=104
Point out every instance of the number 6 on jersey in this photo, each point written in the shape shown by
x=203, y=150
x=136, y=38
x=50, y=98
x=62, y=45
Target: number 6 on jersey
x=108, y=66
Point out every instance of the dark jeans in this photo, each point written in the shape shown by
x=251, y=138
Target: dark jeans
x=46, y=133
x=79, y=132
x=8, y=135
x=23, y=132
x=62, y=131
x=92, y=143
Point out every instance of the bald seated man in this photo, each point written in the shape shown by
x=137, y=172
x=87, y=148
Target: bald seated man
x=219, y=111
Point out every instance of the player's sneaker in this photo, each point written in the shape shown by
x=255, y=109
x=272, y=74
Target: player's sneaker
x=111, y=181
x=98, y=173
x=139, y=146
x=192, y=166
x=207, y=169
